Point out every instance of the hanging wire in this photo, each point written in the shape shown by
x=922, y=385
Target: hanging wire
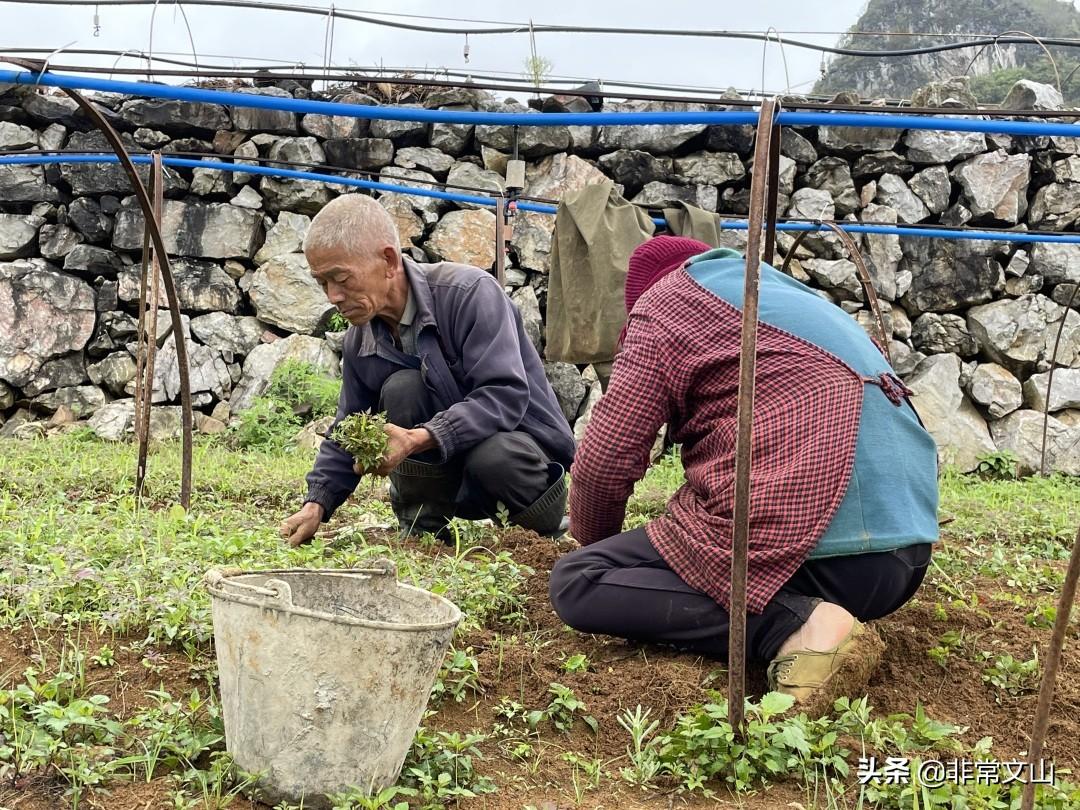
x=1039, y=42
x=783, y=56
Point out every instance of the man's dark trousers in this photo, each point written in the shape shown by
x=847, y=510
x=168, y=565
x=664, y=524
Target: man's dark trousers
x=622, y=587
x=507, y=468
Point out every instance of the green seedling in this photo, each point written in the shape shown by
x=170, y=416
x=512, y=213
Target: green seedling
x=363, y=437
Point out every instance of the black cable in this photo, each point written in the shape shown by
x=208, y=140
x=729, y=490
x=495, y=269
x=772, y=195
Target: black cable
x=575, y=29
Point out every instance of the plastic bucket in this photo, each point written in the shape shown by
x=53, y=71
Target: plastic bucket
x=325, y=675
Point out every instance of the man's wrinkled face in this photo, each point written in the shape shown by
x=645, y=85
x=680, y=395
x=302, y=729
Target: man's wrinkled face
x=358, y=284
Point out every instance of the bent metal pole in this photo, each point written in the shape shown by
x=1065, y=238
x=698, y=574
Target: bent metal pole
x=766, y=163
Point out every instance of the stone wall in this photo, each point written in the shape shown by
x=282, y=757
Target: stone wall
x=972, y=322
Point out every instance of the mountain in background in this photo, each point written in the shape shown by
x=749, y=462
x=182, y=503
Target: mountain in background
x=994, y=70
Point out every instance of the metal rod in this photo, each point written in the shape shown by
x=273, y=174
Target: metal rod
x=1052, y=662
x=500, y=240
x=151, y=269
x=744, y=437
x=1050, y=379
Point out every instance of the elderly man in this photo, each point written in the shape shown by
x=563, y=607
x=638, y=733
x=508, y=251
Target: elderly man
x=474, y=427
x=843, y=491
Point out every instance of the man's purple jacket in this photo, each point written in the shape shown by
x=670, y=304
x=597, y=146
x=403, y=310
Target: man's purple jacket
x=474, y=356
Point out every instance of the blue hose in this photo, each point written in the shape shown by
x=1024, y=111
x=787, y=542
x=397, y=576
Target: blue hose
x=726, y=117
x=732, y=225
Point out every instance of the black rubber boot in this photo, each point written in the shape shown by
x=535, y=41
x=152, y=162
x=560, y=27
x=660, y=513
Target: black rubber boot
x=546, y=515
x=423, y=496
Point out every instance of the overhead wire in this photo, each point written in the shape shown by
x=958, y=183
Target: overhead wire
x=572, y=29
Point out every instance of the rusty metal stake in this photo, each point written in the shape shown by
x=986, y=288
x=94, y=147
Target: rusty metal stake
x=151, y=268
x=500, y=240
x=91, y=112
x=860, y=271
x=1050, y=379
x=759, y=221
x=1052, y=664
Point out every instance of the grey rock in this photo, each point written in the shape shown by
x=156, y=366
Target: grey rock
x=114, y=372
x=92, y=260
x=494, y=160
x=954, y=91
x=1017, y=333
x=833, y=175
x=264, y=358
x=20, y=418
x=402, y=133
x=796, y=147
x=409, y=225
x=958, y=429
x=43, y=314
x=1055, y=206
x=114, y=421
x=284, y=294
x=466, y=176
x=1056, y=263
x=525, y=300
x=1020, y=433
x=996, y=185
x=811, y=203
x=665, y=195
x=570, y=389
x=110, y=178
x=1064, y=394
x=464, y=237
x=633, y=168
x=207, y=372
x=303, y=151
x=18, y=234
x=533, y=142
x=16, y=136
x=231, y=336
x=245, y=150
x=207, y=183
x=453, y=139
x=857, y=139
x=7, y=397
x=515, y=277
x=997, y=390
x=360, y=153
x=176, y=116
x=934, y=333
x=1023, y=285
x=938, y=146
x=656, y=138
x=1067, y=170
x=836, y=275
x=53, y=137
x=904, y=359
x=596, y=391
x=247, y=198
x=1019, y=263
x=83, y=400
x=251, y=119
x=286, y=236
x=332, y=127
x=200, y=286
x=54, y=107
x=932, y=186
x=948, y=275
x=299, y=196
x=894, y=192
x=424, y=158
x=738, y=139
x=204, y=230
x=26, y=184
x=883, y=251
x=710, y=168
x=93, y=223
x=62, y=372
x=150, y=138
x=879, y=163
x=1029, y=95
x=427, y=207
x=56, y=241
x=1066, y=295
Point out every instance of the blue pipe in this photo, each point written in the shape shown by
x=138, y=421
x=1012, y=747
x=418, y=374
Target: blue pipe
x=732, y=225
x=726, y=117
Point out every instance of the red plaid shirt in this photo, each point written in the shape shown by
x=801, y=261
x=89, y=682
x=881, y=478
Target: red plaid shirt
x=684, y=371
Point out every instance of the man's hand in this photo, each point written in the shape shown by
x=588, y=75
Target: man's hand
x=401, y=444
x=301, y=527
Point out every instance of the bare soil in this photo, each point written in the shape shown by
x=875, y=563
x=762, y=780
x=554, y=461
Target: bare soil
x=622, y=675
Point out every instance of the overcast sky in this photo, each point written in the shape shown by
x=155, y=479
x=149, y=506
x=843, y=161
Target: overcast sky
x=275, y=35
